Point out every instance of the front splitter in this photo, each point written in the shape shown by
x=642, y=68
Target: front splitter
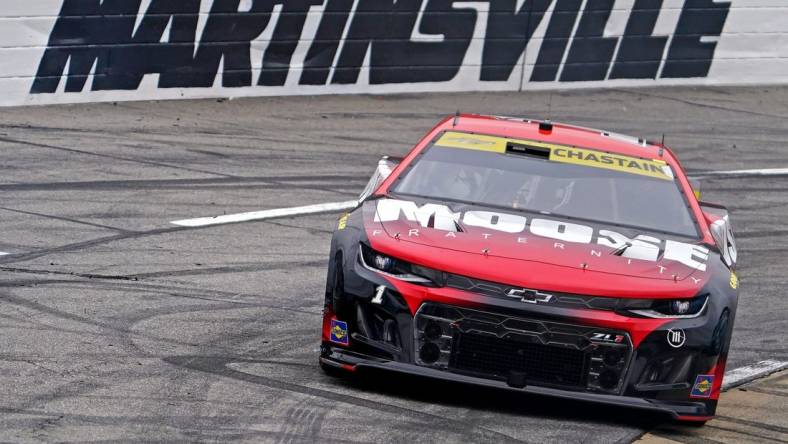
x=350, y=361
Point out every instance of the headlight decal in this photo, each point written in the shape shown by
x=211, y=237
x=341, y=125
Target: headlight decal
x=672, y=308
x=405, y=271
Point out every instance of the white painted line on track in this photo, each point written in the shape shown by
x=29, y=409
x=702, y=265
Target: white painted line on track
x=338, y=206
x=743, y=375
x=759, y=172
x=266, y=214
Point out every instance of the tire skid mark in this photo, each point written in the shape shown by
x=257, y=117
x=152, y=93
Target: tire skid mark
x=249, y=331
x=767, y=391
x=182, y=272
x=774, y=189
x=219, y=367
x=757, y=234
x=67, y=219
x=68, y=273
x=231, y=269
x=176, y=183
x=168, y=138
x=13, y=283
x=303, y=423
x=77, y=246
x=749, y=434
x=78, y=389
x=186, y=293
x=110, y=156
x=310, y=230
x=35, y=325
x=121, y=330
x=212, y=426
x=113, y=327
x=73, y=389
x=698, y=104
x=187, y=422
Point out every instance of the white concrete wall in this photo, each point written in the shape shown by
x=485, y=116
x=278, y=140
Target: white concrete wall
x=60, y=51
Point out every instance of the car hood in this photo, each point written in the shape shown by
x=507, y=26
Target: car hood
x=529, y=239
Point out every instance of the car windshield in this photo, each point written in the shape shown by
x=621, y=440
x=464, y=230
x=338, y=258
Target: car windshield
x=550, y=179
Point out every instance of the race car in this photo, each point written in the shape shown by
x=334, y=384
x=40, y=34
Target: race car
x=537, y=257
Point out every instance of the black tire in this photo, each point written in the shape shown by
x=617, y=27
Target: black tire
x=721, y=337
x=336, y=294
x=338, y=287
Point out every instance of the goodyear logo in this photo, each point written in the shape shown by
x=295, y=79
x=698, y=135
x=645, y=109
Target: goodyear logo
x=702, y=387
x=478, y=142
x=734, y=281
x=339, y=333
x=563, y=154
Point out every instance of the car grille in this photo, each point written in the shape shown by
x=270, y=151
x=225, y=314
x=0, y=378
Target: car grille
x=519, y=347
x=490, y=355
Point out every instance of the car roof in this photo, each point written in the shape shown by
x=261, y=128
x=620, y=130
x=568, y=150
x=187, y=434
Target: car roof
x=560, y=134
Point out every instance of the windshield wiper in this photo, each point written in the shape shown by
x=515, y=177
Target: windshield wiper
x=457, y=227
x=620, y=250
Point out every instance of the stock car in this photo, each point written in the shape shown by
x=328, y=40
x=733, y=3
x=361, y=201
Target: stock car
x=538, y=257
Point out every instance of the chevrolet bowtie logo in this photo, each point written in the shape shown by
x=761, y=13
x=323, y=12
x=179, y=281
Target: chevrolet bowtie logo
x=529, y=296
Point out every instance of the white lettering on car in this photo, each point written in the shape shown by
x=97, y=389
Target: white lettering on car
x=442, y=216
x=687, y=254
x=508, y=223
x=562, y=231
x=642, y=247
x=639, y=248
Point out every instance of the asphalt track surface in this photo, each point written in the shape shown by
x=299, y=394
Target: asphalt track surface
x=116, y=325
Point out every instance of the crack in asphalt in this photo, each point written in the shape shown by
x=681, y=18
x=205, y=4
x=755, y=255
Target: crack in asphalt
x=110, y=156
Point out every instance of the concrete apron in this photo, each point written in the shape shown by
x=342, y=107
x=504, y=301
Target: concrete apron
x=754, y=412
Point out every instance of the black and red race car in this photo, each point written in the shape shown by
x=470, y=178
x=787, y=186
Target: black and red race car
x=538, y=257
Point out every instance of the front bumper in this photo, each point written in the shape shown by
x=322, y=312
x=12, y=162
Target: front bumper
x=388, y=333
x=353, y=362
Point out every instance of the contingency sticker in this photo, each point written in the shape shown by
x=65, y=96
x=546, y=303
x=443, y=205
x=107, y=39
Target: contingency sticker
x=559, y=153
x=342, y=222
x=702, y=387
x=468, y=141
x=339, y=332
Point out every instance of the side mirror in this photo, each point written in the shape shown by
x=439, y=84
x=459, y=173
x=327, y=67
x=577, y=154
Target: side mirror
x=695, y=184
x=721, y=230
x=385, y=166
